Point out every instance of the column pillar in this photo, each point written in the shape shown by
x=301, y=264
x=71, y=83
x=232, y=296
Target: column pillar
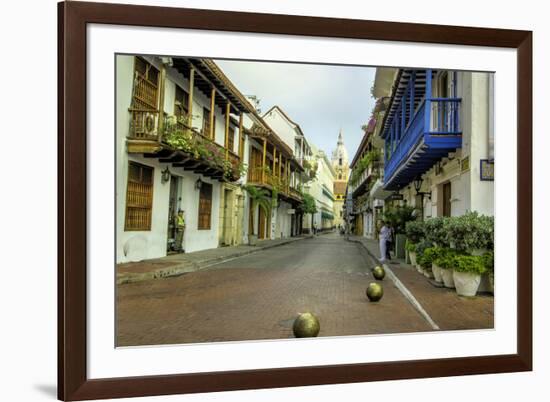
x=190, y=99
x=241, y=137
x=227, y=110
x=263, y=160
x=212, y=109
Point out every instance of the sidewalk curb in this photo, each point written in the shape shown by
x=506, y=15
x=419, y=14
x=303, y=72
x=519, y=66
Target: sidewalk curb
x=402, y=288
x=184, y=268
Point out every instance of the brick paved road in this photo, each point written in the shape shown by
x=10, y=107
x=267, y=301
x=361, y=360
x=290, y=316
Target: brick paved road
x=258, y=296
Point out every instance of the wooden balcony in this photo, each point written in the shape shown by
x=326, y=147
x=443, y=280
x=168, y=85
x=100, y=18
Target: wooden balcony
x=261, y=177
x=183, y=146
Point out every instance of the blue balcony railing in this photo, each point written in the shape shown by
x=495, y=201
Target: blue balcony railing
x=433, y=131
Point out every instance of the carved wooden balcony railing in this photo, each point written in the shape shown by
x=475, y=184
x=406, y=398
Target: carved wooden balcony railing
x=196, y=152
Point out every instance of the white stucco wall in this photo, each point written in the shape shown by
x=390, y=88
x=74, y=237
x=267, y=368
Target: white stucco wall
x=285, y=130
x=139, y=245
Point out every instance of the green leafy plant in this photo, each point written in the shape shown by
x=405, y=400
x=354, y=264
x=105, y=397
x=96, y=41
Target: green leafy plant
x=398, y=217
x=446, y=258
x=471, y=231
x=308, y=206
x=415, y=231
x=410, y=247
x=474, y=264
x=369, y=159
x=431, y=254
x=489, y=262
x=436, y=231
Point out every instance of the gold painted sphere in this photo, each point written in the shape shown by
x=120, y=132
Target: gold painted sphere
x=375, y=291
x=378, y=273
x=306, y=325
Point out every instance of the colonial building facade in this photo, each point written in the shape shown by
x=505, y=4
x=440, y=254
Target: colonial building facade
x=188, y=140
x=438, y=141
x=435, y=139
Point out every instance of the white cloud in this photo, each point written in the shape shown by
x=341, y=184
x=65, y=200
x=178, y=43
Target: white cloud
x=321, y=98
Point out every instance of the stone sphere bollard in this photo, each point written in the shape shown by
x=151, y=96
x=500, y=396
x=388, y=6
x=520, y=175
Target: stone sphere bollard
x=379, y=273
x=306, y=325
x=375, y=291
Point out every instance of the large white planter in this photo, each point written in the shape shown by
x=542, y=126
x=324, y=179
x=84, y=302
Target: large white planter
x=412, y=256
x=466, y=283
x=447, y=276
x=428, y=274
x=437, y=273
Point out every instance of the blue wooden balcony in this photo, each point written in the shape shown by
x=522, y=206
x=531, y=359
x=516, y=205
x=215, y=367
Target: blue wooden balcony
x=419, y=129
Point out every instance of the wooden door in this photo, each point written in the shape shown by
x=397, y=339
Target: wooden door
x=261, y=224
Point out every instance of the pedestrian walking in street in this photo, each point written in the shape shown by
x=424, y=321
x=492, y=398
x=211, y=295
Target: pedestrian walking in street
x=180, y=229
x=390, y=243
x=384, y=238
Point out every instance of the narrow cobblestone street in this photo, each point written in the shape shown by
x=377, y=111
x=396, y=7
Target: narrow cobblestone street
x=258, y=296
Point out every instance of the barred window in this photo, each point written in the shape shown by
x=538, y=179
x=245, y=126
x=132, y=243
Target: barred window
x=205, y=206
x=139, y=197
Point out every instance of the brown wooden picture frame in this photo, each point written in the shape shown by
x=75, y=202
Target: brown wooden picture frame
x=73, y=382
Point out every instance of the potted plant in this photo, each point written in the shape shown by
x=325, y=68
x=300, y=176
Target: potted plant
x=488, y=278
x=262, y=199
x=445, y=263
x=430, y=255
x=411, y=250
x=398, y=218
x=436, y=231
x=419, y=251
x=415, y=233
x=467, y=274
x=471, y=233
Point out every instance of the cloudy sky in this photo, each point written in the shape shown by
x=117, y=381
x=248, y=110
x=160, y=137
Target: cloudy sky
x=321, y=99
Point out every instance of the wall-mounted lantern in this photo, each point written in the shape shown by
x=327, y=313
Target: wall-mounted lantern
x=165, y=175
x=198, y=184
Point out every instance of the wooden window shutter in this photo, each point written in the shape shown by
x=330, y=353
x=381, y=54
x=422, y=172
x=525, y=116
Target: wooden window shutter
x=205, y=206
x=139, y=197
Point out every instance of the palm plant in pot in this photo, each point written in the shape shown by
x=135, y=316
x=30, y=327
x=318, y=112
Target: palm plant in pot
x=467, y=274
x=262, y=199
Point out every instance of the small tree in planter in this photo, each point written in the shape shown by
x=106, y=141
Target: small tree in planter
x=467, y=274
x=397, y=218
x=471, y=232
x=436, y=231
